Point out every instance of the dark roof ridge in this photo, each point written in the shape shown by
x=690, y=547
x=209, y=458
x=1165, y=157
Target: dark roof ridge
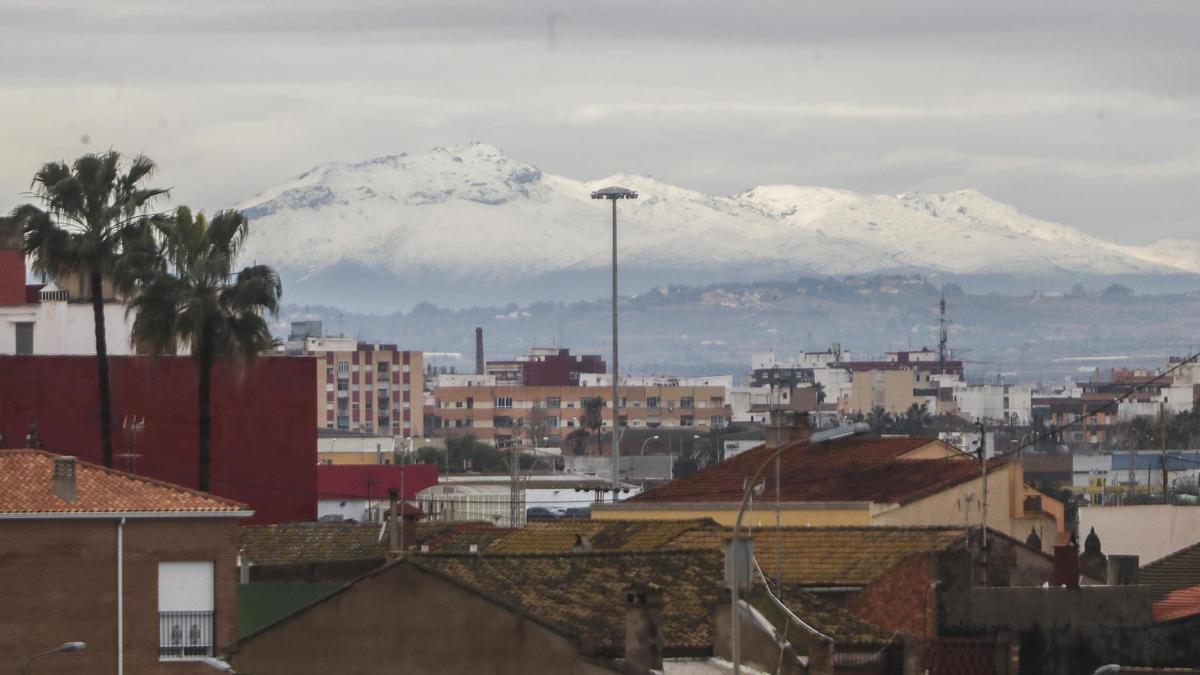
x=603, y=553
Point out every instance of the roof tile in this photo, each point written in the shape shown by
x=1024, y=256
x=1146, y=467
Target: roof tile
x=856, y=469
x=27, y=487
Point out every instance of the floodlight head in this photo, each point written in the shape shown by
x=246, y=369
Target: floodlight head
x=614, y=192
x=216, y=664
x=72, y=647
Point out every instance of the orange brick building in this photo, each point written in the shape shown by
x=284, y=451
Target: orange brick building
x=489, y=412
x=143, y=572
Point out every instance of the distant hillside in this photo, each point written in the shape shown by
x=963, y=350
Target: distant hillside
x=704, y=329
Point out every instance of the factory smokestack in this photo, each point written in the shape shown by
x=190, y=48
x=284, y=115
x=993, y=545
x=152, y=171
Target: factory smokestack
x=478, y=350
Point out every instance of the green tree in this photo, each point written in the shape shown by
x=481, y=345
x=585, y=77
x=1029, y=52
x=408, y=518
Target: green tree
x=92, y=212
x=191, y=296
x=915, y=420
x=593, y=418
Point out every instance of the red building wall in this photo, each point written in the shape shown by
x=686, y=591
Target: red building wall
x=341, y=481
x=12, y=277
x=263, y=442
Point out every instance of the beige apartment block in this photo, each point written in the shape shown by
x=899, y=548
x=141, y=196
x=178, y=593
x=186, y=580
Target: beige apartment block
x=490, y=412
x=892, y=389
x=368, y=388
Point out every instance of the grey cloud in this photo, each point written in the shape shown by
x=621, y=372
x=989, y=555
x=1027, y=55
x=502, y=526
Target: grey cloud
x=1084, y=111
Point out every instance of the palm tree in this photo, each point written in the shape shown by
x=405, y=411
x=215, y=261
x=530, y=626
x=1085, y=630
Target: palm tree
x=92, y=213
x=192, y=297
x=593, y=418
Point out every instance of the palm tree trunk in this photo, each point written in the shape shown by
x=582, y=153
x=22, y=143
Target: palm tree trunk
x=106, y=447
x=204, y=406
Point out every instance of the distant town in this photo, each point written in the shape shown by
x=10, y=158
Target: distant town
x=360, y=503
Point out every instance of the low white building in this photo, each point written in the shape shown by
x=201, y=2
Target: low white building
x=485, y=498
x=51, y=322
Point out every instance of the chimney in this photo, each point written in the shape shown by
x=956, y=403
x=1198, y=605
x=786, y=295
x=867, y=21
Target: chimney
x=1122, y=570
x=643, y=617
x=243, y=564
x=1066, y=562
x=479, y=369
x=581, y=545
x=12, y=263
x=787, y=426
x=64, y=478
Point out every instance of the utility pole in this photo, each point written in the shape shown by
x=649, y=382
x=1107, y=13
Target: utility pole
x=983, y=461
x=943, y=333
x=514, y=490
x=1163, y=422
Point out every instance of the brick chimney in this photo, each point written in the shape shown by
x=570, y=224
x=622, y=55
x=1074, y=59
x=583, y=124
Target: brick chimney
x=1066, y=561
x=643, y=640
x=12, y=264
x=787, y=426
x=64, y=478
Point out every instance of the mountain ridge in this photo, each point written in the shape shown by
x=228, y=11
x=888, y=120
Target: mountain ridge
x=464, y=215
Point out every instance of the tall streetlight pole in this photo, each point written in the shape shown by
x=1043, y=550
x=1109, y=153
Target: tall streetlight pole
x=613, y=194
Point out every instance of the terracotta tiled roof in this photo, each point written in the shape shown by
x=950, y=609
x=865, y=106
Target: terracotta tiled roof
x=602, y=535
x=1179, y=604
x=845, y=628
x=1179, y=570
x=834, y=556
x=856, y=469
x=584, y=594
x=460, y=538
x=292, y=543
x=27, y=487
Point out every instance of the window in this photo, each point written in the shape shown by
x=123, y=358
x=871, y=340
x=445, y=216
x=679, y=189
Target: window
x=685, y=420
x=652, y=402
x=343, y=369
x=503, y=402
x=502, y=422
x=686, y=402
x=185, y=610
x=717, y=421
x=552, y=421
x=553, y=402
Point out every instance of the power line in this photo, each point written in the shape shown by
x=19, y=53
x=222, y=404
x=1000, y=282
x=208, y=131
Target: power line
x=1106, y=406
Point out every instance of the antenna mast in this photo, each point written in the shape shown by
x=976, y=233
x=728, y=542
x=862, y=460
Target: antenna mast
x=943, y=332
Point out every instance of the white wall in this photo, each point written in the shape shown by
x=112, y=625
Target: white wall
x=66, y=328
x=1150, y=531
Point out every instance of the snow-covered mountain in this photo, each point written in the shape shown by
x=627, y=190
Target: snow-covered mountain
x=471, y=217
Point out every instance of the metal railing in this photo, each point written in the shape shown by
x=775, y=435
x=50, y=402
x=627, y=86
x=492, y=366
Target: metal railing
x=185, y=635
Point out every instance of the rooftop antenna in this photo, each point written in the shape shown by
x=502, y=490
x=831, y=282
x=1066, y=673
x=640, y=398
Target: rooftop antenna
x=133, y=426
x=943, y=332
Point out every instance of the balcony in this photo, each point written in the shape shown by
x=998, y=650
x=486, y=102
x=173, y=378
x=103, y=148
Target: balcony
x=185, y=635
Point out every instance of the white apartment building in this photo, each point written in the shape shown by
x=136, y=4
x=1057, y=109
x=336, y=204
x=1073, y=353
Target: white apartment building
x=994, y=402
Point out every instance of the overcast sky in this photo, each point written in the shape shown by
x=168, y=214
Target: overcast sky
x=1085, y=112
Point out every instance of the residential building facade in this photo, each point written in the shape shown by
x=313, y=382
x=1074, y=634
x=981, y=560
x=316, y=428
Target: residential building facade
x=52, y=318
x=490, y=413
x=371, y=388
x=141, y=571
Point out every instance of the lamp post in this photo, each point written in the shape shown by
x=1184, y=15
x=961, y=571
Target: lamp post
x=217, y=664
x=652, y=438
x=613, y=194
x=64, y=647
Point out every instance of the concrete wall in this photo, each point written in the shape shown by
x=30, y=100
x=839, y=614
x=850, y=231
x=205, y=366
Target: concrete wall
x=1075, y=631
x=58, y=583
x=1149, y=532
x=407, y=621
x=263, y=445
